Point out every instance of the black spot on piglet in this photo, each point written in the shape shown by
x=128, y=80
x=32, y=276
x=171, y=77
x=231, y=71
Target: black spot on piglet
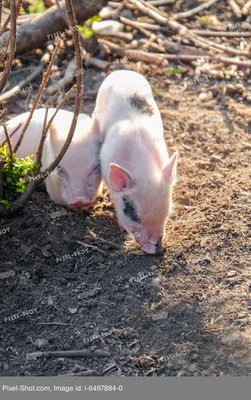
x=130, y=209
x=140, y=104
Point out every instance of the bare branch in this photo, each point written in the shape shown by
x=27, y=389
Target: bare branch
x=11, y=134
x=8, y=141
x=38, y=97
x=42, y=139
x=5, y=74
x=1, y=177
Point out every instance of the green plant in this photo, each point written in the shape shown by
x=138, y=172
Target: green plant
x=37, y=7
x=86, y=29
x=175, y=70
x=15, y=169
x=7, y=204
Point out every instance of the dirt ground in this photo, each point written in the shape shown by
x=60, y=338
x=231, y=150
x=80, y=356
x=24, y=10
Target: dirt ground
x=185, y=313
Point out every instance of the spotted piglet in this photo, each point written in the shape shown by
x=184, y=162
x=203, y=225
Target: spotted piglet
x=134, y=156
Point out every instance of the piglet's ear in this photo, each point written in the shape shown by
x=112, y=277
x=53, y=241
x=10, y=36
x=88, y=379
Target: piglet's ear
x=169, y=170
x=119, y=178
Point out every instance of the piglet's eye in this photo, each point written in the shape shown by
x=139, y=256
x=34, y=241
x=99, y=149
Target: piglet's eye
x=60, y=170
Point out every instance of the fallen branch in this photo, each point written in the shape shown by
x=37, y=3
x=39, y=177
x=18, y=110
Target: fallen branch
x=221, y=34
x=90, y=246
x=246, y=8
x=195, y=10
x=91, y=372
x=153, y=57
x=68, y=353
x=154, y=14
x=135, y=54
x=229, y=50
x=161, y=2
x=236, y=9
x=182, y=30
x=23, y=83
x=35, y=32
x=96, y=62
x=136, y=25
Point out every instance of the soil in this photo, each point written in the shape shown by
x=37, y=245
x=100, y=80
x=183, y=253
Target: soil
x=185, y=313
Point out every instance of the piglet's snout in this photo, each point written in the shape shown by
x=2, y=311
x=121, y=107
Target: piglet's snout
x=158, y=247
x=153, y=246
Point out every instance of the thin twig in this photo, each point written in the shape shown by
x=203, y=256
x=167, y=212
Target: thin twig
x=6, y=22
x=6, y=46
x=91, y=247
x=16, y=89
x=149, y=12
x=11, y=134
x=52, y=323
x=68, y=353
x=91, y=372
x=42, y=140
x=79, y=76
x=136, y=25
x=1, y=6
x=220, y=34
x=1, y=177
x=195, y=10
x=8, y=141
x=135, y=54
x=161, y=2
x=208, y=43
x=111, y=244
x=38, y=97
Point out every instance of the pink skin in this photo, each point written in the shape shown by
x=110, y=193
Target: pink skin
x=151, y=210
x=77, y=179
x=132, y=158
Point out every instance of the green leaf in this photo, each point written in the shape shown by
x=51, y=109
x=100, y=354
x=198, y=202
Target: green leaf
x=7, y=204
x=86, y=30
x=38, y=7
x=175, y=70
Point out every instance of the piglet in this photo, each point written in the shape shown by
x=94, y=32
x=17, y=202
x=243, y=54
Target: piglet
x=77, y=179
x=134, y=159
